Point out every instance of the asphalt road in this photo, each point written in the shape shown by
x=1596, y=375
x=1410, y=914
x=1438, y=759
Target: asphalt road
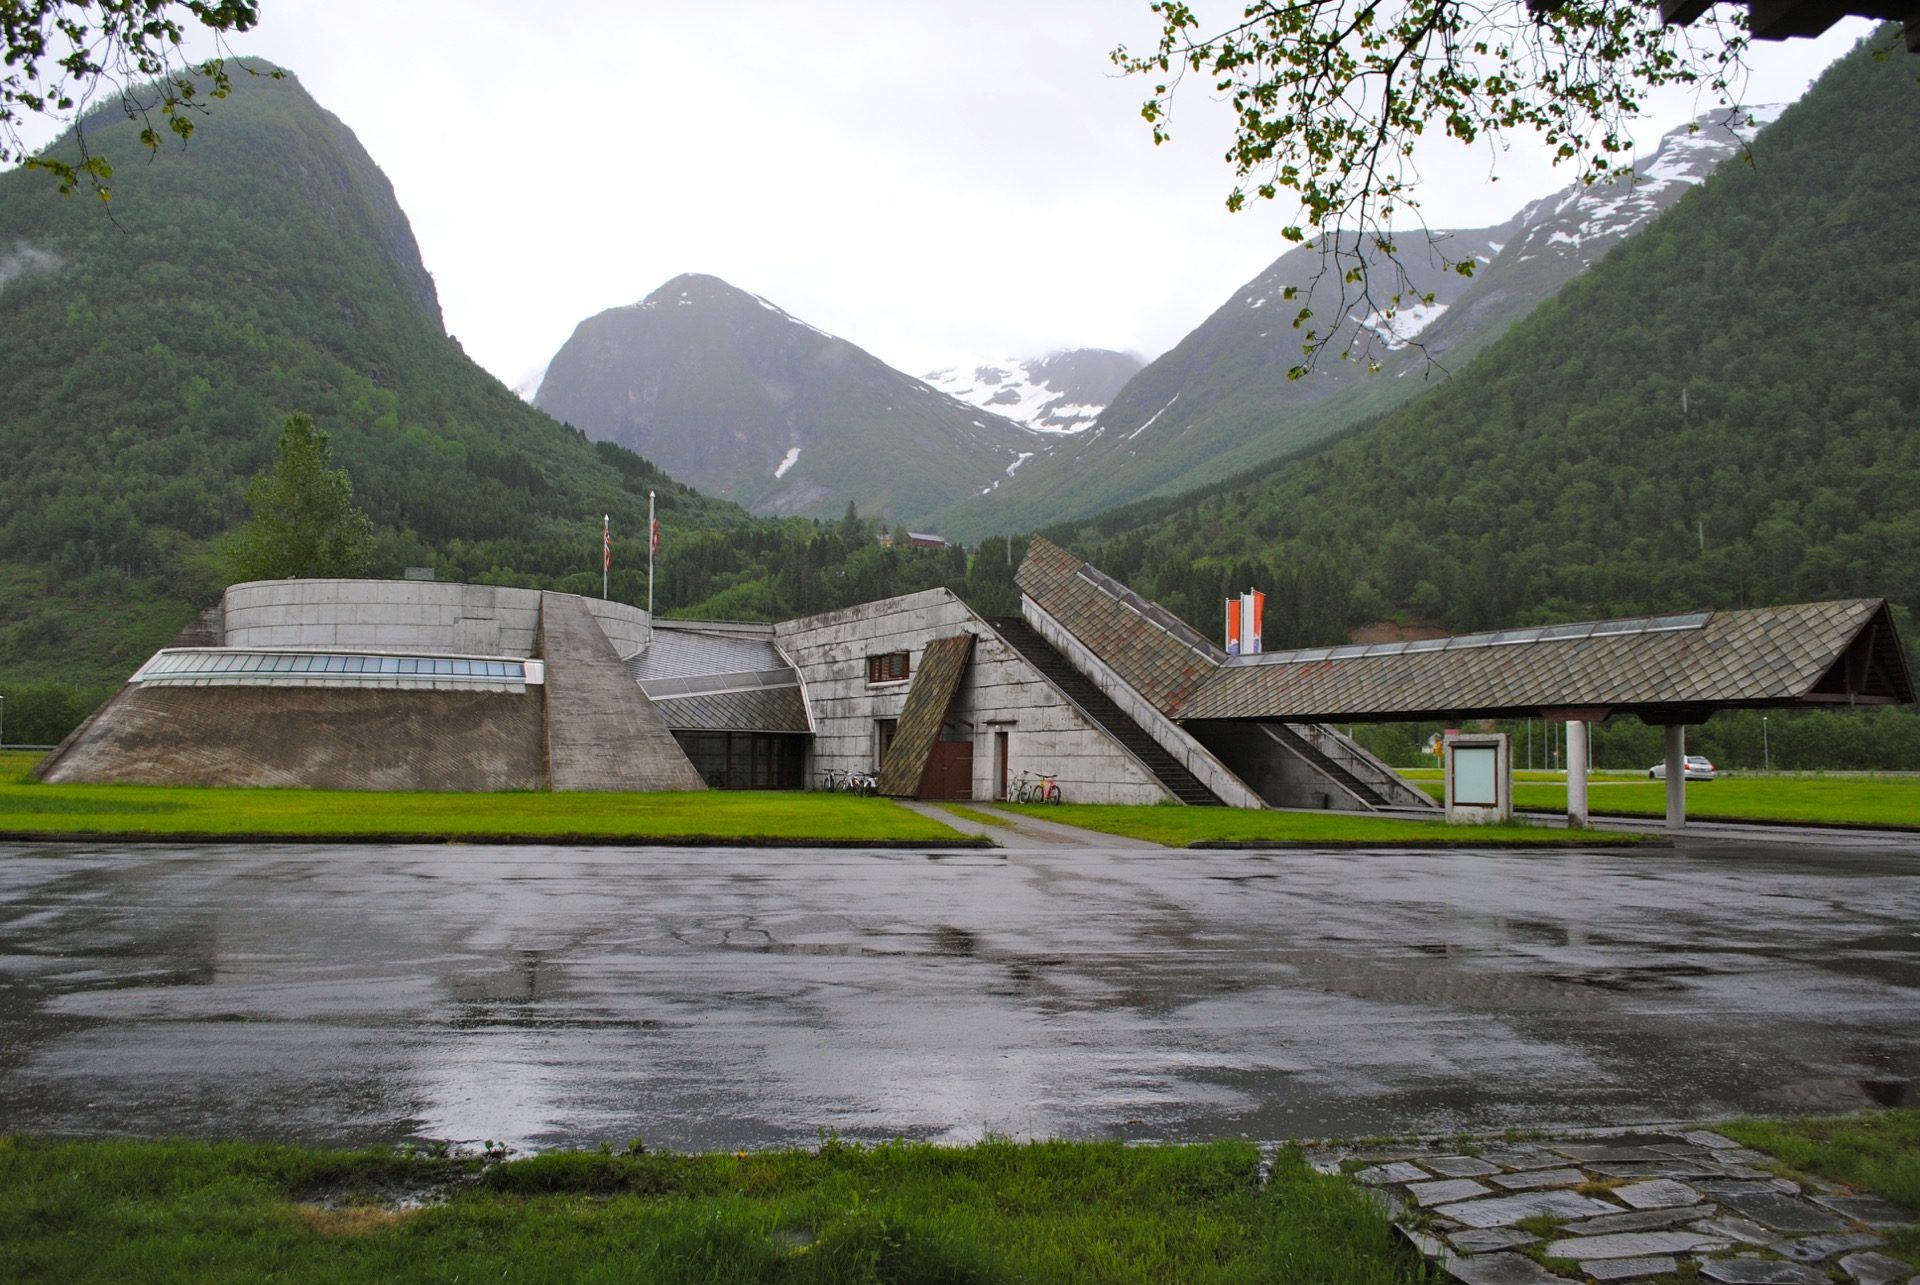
x=721, y=999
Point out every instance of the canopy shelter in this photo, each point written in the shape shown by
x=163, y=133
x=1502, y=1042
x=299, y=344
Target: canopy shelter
x=1667, y=670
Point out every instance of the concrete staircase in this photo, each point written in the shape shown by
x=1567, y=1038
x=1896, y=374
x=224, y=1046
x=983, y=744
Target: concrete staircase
x=602, y=731
x=1098, y=706
x=1306, y=749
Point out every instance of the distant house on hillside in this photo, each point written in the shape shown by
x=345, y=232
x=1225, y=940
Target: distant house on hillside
x=915, y=540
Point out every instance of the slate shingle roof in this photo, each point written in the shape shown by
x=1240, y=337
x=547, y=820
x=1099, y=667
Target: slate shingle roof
x=1811, y=653
x=935, y=684
x=1159, y=655
x=1767, y=656
x=775, y=709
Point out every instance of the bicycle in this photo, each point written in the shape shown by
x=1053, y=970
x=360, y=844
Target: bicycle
x=834, y=779
x=862, y=783
x=1041, y=789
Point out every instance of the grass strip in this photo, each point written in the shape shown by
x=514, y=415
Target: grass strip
x=997, y=1211
x=714, y=816
x=1181, y=827
x=1887, y=801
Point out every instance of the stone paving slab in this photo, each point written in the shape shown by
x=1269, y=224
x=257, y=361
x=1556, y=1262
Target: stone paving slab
x=1536, y=1179
x=1445, y=1191
x=1781, y=1212
x=1734, y=1227
x=1735, y=1223
x=1504, y=1211
x=1379, y=1175
x=1500, y=1269
x=1759, y=1271
x=1814, y=1249
x=1661, y=1193
x=1629, y=1269
x=1875, y=1269
x=1871, y=1210
x=1634, y=1244
x=1639, y=1220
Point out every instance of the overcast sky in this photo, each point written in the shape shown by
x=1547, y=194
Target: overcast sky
x=937, y=182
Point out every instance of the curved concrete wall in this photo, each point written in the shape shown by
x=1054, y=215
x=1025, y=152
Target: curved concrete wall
x=406, y=615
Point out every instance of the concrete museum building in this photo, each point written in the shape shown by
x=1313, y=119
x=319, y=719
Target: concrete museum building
x=411, y=685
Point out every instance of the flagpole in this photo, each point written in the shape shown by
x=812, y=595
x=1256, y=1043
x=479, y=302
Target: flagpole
x=653, y=538
x=606, y=551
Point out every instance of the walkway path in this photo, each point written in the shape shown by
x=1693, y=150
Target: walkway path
x=1018, y=830
x=1629, y=1205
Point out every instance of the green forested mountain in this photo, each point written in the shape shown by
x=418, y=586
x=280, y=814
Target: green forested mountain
x=1722, y=412
x=151, y=350
x=1223, y=400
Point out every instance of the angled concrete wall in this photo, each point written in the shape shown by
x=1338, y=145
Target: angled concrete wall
x=602, y=733
x=407, y=615
x=1001, y=692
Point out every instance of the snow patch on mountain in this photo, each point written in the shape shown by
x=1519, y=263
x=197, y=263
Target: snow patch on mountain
x=793, y=453
x=1398, y=326
x=1060, y=393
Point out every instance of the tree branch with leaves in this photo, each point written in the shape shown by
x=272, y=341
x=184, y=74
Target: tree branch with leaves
x=1331, y=97
x=62, y=59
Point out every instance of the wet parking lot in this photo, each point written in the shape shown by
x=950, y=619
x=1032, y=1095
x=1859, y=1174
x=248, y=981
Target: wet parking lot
x=706, y=998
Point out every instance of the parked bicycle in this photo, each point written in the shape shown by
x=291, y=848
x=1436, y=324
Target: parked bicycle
x=840, y=781
x=1036, y=787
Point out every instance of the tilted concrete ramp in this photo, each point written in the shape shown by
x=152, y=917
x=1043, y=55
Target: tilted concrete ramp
x=602, y=731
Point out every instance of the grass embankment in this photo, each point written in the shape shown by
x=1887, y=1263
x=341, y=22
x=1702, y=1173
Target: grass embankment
x=716, y=816
x=1181, y=827
x=116, y=1210
x=1813, y=799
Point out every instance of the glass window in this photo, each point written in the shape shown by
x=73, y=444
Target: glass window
x=888, y=667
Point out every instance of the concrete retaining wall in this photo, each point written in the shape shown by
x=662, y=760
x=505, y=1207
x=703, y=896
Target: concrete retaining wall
x=1001, y=692
x=406, y=615
x=321, y=738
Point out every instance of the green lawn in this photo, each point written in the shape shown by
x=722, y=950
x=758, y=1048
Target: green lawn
x=28, y=808
x=998, y=1211
x=1181, y=826
x=1843, y=800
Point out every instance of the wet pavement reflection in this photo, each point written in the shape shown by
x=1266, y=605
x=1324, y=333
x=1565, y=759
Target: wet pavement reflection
x=720, y=999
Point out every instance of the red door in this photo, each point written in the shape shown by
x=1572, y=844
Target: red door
x=949, y=772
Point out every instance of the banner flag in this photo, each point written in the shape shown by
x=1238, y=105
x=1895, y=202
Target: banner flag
x=1233, y=627
x=1259, y=620
x=606, y=543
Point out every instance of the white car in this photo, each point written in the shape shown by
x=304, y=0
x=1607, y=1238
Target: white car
x=1698, y=769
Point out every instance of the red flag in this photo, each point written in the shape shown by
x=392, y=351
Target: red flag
x=606, y=545
x=1233, y=626
x=654, y=547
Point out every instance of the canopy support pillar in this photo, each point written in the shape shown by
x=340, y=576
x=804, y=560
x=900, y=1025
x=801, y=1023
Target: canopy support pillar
x=1676, y=776
x=1576, y=774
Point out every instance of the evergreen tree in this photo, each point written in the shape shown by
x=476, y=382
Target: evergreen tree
x=304, y=522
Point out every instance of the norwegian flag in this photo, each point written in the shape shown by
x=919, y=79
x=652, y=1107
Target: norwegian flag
x=606, y=543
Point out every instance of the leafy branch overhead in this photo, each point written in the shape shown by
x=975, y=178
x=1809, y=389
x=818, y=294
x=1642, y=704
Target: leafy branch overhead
x=63, y=58
x=1331, y=97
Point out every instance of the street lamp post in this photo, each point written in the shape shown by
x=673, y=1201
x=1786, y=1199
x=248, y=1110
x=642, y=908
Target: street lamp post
x=1766, y=755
